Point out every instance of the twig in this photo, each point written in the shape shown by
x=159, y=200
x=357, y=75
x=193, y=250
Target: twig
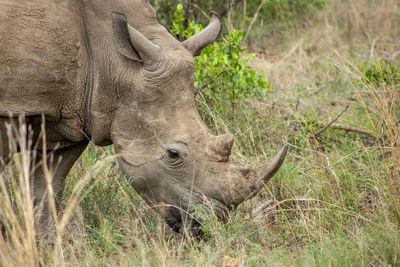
x=343, y=127
x=188, y=13
x=228, y=7
x=253, y=20
x=371, y=52
x=295, y=47
x=316, y=91
x=210, y=81
x=328, y=164
x=260, y=208
x=349, y=128
x=332, y=121
x=201, y=10
x=309, y=176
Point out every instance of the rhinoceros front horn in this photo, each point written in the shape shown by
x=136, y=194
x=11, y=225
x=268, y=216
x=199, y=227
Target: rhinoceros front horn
x=254, y=180
x=267, y=171
x=200, y=40
x=131, y=43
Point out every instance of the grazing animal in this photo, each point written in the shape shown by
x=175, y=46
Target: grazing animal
x=108, y=72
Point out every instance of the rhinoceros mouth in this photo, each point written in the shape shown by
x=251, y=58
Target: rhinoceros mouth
x=184, y=222
x=188, y=221
x=180, y=212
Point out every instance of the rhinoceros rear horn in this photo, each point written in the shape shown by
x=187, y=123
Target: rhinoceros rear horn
x=131, y=43
x=200, y=40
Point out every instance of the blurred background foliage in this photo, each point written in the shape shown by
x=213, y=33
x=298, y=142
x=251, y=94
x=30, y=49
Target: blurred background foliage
x=270, y=15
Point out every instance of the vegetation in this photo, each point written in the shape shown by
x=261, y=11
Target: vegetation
x=268, y=11
x=223, y=77
x=332, y=93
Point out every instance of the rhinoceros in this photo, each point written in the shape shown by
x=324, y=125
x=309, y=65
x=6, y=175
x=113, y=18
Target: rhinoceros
x=107, y=72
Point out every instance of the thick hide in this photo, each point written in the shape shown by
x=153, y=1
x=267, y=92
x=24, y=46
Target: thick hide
x=108, y=72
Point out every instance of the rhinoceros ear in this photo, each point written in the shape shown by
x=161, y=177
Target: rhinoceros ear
x=200, y=40
x=131, y=43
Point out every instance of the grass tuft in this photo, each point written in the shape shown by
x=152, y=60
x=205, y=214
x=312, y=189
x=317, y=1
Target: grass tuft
x=336, y=200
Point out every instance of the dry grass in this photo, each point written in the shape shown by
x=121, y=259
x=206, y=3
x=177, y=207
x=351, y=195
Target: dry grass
x=362, y=29
x=336, y=199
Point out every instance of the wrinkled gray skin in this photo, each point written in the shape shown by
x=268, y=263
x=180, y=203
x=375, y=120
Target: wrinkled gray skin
x=108, y=72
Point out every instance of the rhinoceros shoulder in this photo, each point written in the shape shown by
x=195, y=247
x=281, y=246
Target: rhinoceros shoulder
x=39, y=50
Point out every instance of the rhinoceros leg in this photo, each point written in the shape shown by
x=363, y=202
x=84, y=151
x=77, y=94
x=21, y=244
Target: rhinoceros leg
x=59, y=163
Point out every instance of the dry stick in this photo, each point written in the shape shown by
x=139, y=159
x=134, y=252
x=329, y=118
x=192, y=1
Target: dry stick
x=244, y=14
x=230, y=27
x=229, y=6
x=253, y=21
x=295, y=47
x=222, y=13
x=344, y=127
x=189, y=13
x=210, y=81
x=260, y=208
x=201, y=10
x=348, y=128
x=328, y=164
x=332, y=121
x=371, y=53
x=309, y=176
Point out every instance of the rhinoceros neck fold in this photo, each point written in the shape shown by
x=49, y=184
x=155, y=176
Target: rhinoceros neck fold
x=101, y=65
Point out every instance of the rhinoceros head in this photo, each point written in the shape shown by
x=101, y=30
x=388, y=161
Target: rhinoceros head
x=165, y=150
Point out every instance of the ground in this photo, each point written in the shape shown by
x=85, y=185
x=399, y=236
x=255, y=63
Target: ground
x=336, y=200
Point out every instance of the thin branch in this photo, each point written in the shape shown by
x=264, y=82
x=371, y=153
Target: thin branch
x=343, y=127
x=349, y=128
x=328, y=164
x=371, y=53
x=228, y=7
x=209, y=82
x=253, y=20
x=332, y=121
x=309, y=176
x=188, y=13
x=200, y=10
x=260, y=208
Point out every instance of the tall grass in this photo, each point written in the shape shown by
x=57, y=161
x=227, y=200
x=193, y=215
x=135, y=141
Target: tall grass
x=23, y=241
x=335, y=201
x=17, y=220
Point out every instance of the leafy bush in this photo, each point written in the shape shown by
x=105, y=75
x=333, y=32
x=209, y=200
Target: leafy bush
x=222, y=78
x=380, y=73
x=380, y=88
x=178, y=28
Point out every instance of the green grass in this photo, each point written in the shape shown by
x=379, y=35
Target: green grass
x=346, y=213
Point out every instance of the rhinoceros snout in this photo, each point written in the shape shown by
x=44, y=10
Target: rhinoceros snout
x=182, y=222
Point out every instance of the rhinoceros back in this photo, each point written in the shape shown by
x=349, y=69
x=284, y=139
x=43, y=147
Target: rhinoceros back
x=55, y=58
x=39, y=46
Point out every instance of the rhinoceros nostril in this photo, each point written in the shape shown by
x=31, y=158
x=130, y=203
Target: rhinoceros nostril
x=245, y=172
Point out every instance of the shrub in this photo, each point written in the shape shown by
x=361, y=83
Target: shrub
x=222, y=78
x=380, y=73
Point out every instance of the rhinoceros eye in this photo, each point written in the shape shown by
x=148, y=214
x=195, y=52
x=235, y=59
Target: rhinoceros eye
x=172, y=153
